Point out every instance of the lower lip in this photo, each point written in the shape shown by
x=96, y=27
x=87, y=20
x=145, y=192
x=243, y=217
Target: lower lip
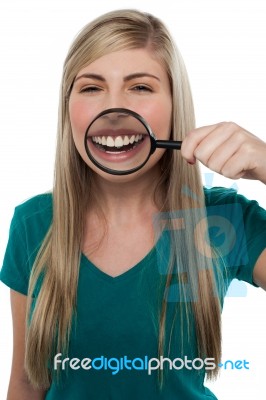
x=118, y=156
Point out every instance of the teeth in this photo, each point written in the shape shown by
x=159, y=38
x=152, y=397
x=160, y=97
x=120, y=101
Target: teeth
x=132, y=139
x=118, y=141
x=110, y=142
x=126, y=140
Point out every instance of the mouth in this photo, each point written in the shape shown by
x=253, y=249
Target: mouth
x=117, y=144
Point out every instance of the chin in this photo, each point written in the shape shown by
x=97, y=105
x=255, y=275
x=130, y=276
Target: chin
x=146, y=172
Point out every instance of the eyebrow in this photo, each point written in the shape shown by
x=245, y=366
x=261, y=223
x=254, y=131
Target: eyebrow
x=140, y=75
x=91, y=76
x=126, y=78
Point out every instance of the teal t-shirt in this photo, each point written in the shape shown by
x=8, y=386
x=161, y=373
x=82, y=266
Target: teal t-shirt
x=115, y=331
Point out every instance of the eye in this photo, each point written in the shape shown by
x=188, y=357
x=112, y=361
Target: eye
x=90, y=89
x=142, y=88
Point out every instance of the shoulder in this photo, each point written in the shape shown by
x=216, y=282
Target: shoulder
x=37, y=208
x=222, y=195
x=33, y=217
x=40, y=203
x=29, y=225
x=229, y=203
x=218, y=196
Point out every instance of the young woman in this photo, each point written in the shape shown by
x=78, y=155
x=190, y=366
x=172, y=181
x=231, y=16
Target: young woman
x=117, y=284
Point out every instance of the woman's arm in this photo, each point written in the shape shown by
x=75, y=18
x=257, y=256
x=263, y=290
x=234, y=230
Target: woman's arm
x=19, y=386
x=231, y=151
x=259, y=273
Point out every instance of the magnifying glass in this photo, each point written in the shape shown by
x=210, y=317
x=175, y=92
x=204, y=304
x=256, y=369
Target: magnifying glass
x=119, y=141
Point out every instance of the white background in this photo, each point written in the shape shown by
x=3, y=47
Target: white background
x=223, y=44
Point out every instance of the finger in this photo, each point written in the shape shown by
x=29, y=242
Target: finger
x=236, y=166
x=193, y=139
x=214, y=141
x=223, y=153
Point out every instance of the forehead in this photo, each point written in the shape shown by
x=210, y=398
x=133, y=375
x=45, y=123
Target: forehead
x=124, y=62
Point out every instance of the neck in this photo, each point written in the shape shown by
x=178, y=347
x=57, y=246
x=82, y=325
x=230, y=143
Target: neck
x=125, y=199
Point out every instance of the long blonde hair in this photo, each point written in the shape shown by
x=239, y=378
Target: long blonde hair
x=57, y=263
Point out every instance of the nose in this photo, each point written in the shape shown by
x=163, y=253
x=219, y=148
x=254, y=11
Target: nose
x=115, y=99
x=116, y=102
x=115, y=116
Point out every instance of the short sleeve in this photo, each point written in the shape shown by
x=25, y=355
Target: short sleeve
x=29, y=226
x=244, y=228
x=254, y=218
x=15, y=271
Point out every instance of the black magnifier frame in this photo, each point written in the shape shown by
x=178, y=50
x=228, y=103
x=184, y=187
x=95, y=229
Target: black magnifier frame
x=161, y=144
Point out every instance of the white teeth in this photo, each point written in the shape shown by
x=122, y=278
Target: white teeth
x=110, y=142
x=126, y=140
x=118, y=141
x=132, y=139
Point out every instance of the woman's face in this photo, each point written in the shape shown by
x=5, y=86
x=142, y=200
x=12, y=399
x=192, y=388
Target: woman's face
x=131, y=79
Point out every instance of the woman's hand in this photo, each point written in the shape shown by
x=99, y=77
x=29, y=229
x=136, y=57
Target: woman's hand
x=228, y=149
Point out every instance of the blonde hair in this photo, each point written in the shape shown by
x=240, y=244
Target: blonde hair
x=50, y=322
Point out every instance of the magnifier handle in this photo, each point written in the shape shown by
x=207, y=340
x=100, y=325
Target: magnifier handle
x=169, y=144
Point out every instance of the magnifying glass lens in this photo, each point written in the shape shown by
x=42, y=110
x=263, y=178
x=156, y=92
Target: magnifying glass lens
x=118, y=142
